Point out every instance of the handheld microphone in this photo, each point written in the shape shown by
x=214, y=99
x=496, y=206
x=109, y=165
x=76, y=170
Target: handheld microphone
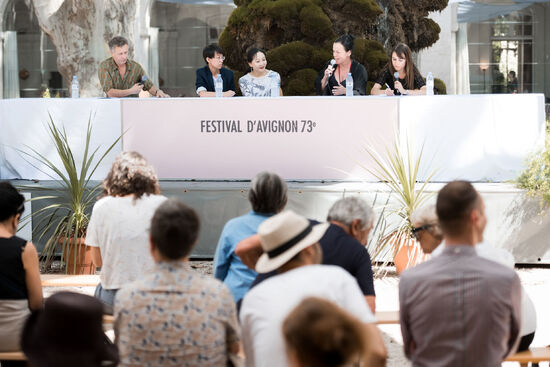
x=332, y=63
x=143, y=80
x=396, y=75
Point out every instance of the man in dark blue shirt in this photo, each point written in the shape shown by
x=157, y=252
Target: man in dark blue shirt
x=351, y=220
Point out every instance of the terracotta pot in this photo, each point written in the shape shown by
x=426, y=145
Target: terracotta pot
x=409, y=254
x=84, y=263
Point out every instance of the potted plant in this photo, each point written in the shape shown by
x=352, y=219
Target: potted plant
x=398, y=170
x=66, y=219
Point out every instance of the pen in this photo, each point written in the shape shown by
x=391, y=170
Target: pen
x=387, y=86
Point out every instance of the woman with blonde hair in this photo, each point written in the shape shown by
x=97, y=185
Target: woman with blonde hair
x=318, y=333
x=119, y=226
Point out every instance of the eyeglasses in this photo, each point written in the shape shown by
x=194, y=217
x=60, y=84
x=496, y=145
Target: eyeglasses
x=222, y=58
x=416, y=230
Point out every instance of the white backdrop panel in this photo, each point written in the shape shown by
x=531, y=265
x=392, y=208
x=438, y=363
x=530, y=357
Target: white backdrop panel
x=23, y=124
x=480, y=138
x=174, y=136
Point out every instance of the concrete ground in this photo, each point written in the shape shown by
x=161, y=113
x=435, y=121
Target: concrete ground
x=536, y=282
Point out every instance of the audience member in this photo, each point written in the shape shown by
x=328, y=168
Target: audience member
x=291, y=247
x=426, y=230
x=174, y=316
x=459, y=308
x=20, y=288
x=268, y=196
x=68, y=332
x=318, y=333
x=343, y=244
x=206, y=76
x=118, y=231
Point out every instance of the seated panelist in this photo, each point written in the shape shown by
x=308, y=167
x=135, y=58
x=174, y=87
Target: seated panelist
x=332, y=79
x=400, y=76
x=258, y=82
x=121, y=77
x=206, y=76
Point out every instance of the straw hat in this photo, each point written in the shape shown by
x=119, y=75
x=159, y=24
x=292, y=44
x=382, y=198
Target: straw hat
x=283, y=236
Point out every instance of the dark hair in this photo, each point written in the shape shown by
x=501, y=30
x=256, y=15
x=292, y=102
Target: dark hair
x=252, y=52
x=131, y=174
x=455, y=202
x=513, y=73
x=117, y=41
x=403, y=51
x=174, y=229
x=322, y=334
x=11, y=201
x=210, y=51
x=347, y=40
x=268, y=193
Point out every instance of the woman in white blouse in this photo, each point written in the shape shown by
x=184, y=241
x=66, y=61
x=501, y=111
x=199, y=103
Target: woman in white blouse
x=118, y=231
x=259, y=81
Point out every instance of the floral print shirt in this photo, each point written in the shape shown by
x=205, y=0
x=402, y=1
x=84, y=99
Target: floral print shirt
x=175, y=317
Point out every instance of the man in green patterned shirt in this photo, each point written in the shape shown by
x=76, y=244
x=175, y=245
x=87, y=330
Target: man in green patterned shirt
x=121, y=77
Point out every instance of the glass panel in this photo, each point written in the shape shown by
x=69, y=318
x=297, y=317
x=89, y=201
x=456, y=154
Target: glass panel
x=36, y=54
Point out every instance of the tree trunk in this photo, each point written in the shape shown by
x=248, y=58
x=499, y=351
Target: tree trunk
x=80, y=30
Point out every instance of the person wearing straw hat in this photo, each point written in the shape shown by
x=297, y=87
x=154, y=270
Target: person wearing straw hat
x=291, y=246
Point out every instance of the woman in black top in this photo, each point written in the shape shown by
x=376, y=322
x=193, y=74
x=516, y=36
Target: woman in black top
x=332, y=79
x=400, y=76
x=20, y=287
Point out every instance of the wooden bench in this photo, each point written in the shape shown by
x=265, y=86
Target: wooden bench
x=64, y=280
x=12, y=356
x=533, y=355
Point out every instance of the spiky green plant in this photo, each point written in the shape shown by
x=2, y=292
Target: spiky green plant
x=398, y=169
x=68, y=216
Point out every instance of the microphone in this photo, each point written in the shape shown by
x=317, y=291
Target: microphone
x=396, y=75
x=143, y=80
x=332, y=63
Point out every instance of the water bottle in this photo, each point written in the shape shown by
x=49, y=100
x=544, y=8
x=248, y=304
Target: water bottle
x=219, y=86
x=430, y=84
x=74, y=87
x=274, y=86
x=349, y=85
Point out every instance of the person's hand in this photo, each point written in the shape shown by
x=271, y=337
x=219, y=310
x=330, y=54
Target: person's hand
x=339, y=90
x=389, y=92
x=136, y=88
x=229, y=93
x=397, y=84
x=161, y=94
x=328, y=71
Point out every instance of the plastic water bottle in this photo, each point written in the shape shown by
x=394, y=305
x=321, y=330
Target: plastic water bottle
x=430, y=84
x=349, y=85
x=219, y=86
x=274, y=86
x=74, y=88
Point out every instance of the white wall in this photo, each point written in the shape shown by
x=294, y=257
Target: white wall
x=440, y=57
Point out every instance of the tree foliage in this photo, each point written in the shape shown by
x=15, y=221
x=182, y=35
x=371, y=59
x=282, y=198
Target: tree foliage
x=298, y=34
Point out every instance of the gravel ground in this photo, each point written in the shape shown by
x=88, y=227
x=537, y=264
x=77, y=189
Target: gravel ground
x=536, y=282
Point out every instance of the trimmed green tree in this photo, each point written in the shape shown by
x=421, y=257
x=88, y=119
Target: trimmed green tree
x=298, y=34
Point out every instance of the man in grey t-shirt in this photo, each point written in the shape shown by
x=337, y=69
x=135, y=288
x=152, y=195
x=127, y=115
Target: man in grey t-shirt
x=460, y=309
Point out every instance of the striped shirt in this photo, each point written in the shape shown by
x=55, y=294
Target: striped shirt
x=110, y=78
